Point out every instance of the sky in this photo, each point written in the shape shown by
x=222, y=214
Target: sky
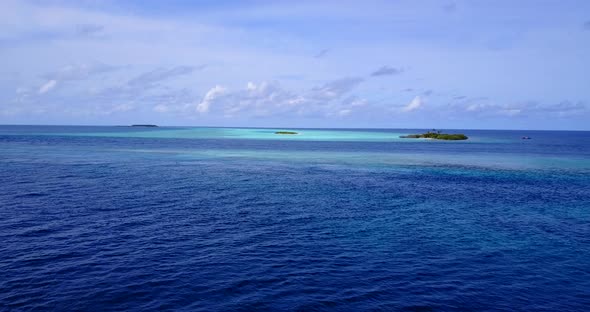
x=347, y=64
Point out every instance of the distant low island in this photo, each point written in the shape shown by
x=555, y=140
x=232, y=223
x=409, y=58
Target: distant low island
x=286, y=132
x=436, y=135
x=149, y=126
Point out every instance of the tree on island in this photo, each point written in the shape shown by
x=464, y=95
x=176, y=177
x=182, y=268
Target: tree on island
x=437, y=135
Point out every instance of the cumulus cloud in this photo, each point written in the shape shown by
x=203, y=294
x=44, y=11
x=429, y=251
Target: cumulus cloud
x=270, y=98
x=387, y=71
x=148, y=88
x=350, y=105
x=262, y=99
x=48, y=86
x=210, y=97
x=83, y=84
x=415, y=104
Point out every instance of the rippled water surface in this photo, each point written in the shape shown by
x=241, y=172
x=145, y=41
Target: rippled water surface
x=118, y=218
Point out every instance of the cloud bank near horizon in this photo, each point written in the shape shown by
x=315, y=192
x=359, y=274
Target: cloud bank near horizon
x=318, y=64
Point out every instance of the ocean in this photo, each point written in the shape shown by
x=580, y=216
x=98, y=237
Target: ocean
x=218, y=219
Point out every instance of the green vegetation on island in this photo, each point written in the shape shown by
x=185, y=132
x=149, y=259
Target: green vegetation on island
x=436, y=135
x=149, y=126
x=286, y=132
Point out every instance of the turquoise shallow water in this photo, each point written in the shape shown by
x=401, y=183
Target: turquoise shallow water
x=254, y=134
x=338, y=135
x=120, y=218
x=454, y=155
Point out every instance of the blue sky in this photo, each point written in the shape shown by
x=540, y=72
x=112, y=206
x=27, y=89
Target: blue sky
x=385, y=64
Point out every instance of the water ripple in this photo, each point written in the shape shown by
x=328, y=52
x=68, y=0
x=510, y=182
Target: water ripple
x=91, y=229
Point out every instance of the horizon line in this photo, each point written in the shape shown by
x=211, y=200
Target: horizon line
x=289, y=127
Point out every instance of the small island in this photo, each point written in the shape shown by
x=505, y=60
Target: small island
x=149, y=126
x=436, y=135
x=286, y=132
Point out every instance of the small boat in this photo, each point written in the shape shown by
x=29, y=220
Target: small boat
x=526, y=138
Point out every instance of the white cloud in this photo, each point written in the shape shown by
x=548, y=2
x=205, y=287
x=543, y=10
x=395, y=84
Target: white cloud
x=46, y=87
x=210, y=97
x=415, y=104
x=262, y=99
x=269, y=98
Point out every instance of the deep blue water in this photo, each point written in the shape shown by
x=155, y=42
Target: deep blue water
x=103, y=219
